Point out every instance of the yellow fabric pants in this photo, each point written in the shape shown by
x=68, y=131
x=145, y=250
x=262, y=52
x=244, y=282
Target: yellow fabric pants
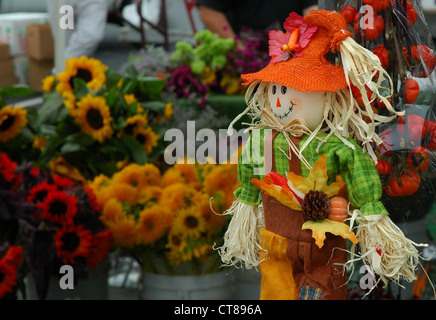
x=277, y=282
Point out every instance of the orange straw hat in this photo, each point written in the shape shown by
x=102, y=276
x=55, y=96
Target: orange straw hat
x=304, y=66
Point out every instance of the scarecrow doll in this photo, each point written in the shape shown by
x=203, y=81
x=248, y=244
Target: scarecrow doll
x=307, y=171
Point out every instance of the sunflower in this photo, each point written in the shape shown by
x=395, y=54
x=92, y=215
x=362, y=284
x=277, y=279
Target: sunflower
x=132, y=175
x=59, y=207
x=176, y=245
x=130, y=98
x=90, y=70
x=177, y=196
x=189, y=222
x=152, y=224
x=39, y=142
x=93, y=115
x=124, y=231
x=48, y=82
x=213, y=221
x=71, y=242
x=101, y=244
x=11, y=121
x=148, y=194
x=137, y=121
x=168, y=112
x=62, y=167
x=70, y=103
x=7, y=168
x=121, y=191
x=112, y=210
x=172, y=176
x=39, y=192
x=9, y=264
x=146, y=137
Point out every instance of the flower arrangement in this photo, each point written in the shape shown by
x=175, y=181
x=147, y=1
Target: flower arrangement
x=168, y=219
x=210, y=66
x=94, y=119
x=396, y=32
x=54, y=219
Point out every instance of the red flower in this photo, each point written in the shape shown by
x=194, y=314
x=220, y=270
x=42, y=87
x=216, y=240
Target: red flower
x=92, y=199
x=39, y=192
x=62, y=182
x=282, y=46
x=59, y=207
x=8, y=269
x=71, y=242
x=7, y=172
x=101, y=244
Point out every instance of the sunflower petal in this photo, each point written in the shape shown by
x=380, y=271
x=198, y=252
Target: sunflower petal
x=320, y=227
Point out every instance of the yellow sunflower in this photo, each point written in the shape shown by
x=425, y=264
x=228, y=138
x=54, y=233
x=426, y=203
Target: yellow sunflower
x=168, y=112
x=124, y=231
x=93, y=115
x=189, y=222
x=70, y=103
x=213, y=220
x=91, y=70
x=130, y=98
x=172, y=176
x=62, y=167
x=176, y=245
x=177, y=196
x=39, y=142
x=112, y=211
x=11, y=121
x=149, y=193
x=121, y=191
x=152, y=224
x=146, y=137
x=47, y=83
x=131, y=175
x=137, y=121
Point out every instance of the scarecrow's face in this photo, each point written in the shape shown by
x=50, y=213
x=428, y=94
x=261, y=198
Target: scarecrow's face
x=288, y=104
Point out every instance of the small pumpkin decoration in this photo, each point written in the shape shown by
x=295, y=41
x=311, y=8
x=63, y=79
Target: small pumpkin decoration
x=338, y=209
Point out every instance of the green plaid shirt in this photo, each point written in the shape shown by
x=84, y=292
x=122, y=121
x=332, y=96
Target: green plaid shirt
x=355, y=167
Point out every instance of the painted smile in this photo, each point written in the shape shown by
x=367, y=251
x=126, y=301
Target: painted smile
x=284, y=115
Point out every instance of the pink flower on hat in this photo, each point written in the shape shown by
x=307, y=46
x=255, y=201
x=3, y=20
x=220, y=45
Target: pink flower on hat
x=283, y=46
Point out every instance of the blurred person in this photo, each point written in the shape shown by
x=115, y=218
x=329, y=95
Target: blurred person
x=90, y=17
x=228, y=18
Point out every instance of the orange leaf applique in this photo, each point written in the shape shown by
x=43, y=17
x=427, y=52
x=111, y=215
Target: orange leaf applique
x=281, y=193
x=320, y=227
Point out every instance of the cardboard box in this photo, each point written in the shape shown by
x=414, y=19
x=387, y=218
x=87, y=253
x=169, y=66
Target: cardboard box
x=8, y=81
x=40, y=44
x=4, y=51
x=6, y=67
x=38, y=70
x=13, y=28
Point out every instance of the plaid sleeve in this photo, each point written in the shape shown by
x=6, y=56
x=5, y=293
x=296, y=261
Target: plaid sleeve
x=248, y=167
x=357, y=170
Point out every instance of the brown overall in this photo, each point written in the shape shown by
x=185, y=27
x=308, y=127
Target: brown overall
x=294, y=266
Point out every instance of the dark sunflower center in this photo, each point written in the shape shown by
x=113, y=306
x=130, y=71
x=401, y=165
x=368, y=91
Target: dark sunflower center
x=191, y=222
x=7, y=123
x=58, y=208
x=141, y=138
x=149, y=225
x=176, y=240
x=83, y=74
x=40, y=196
x=2, y=276
x=70, y=241
x=94, y=118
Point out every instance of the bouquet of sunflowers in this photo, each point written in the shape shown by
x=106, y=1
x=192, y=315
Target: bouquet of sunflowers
x=94, y=119
x=168, y=221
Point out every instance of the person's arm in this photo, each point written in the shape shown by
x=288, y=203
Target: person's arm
x=309, y=9
x=217, y=23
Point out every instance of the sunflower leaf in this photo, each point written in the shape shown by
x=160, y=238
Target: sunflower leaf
x=80, y=88
x=137, y=151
